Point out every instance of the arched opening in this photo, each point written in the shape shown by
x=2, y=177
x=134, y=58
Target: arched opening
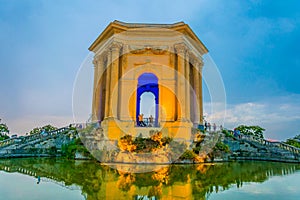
x=147, y=107
x=147, y=100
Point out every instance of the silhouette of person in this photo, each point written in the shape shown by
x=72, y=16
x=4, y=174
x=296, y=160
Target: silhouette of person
x=141, y=120
x=205, y=125
x=214, y=126
x=209, y=126
x=151, y=120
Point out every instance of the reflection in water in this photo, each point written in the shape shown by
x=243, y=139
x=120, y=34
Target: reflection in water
x=98, y=181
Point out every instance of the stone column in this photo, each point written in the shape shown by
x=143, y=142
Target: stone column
x=181, y=107
x=122, y=88
x=107, y=84
x=200, y=66
x=99, y=98
x=95, y=91
x=114, y=80
x=197, y=92
x=187, y=86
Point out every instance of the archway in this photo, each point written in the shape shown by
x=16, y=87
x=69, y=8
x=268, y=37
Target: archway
x=147, y=102
x=147, y=82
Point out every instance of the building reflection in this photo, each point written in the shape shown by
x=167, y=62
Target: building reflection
x=98, y=181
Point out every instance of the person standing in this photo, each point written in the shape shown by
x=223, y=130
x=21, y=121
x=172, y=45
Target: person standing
x=209, y=126
x=221, y=127
x=141, y=120
x=151, y=120
x=214, y=126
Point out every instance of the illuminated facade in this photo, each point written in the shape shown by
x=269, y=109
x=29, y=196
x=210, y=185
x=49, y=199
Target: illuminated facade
x=133, y=59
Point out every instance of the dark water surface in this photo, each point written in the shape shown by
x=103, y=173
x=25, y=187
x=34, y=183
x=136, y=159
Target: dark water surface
x=39, y=178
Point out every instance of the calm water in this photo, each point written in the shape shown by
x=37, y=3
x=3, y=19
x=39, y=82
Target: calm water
x=63, y=179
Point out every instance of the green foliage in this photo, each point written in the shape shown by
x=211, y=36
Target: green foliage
x=4, y=137
x=70, y=149
x=126, y=143
x=227, y=133
x=295, y=141
x=220, y=146
x=197, y=149
x=47, y=128
x=251, y=130
x=139, y=144
x=166, y=140
x=4, y=129
x=188, y=155
x=3, y=132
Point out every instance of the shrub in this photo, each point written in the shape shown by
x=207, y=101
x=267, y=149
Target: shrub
x=126, y=143
x=70, y=149
x=220, y=146
x=188, y=155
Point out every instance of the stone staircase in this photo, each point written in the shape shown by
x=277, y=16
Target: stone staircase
x=254, y=148
x=14, y=147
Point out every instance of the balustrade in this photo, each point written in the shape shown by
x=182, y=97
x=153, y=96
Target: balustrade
x=280, y=145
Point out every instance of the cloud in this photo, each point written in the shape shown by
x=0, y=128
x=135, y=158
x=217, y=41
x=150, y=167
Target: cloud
x=280, y=116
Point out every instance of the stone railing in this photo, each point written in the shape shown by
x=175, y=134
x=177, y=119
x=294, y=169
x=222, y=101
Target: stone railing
x=28, y=138
x=265, y=142
x=148, y=123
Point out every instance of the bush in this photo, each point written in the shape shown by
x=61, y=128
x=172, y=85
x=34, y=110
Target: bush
x=220, y=146
x=139, y=144
x=228, y=133
x=166, y=140
x=126, y=143
x=188, y=155
x=3, y=137
x=256, y=131
x=293, y=143
x=70, y=149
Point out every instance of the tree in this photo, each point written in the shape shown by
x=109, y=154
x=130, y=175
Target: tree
x=294, y=141
x=256, y=131
x=46, y=128
x=4, y=131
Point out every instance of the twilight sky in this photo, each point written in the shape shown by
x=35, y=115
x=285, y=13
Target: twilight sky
x=254, y=43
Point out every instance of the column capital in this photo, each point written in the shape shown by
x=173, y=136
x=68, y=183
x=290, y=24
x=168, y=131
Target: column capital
x=180, y=48
x=115, y=46
x=95, y=61
x=100, y=57
x=196, y=62
x=125, y=49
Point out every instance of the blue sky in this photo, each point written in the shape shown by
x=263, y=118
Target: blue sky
x=254, y=43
